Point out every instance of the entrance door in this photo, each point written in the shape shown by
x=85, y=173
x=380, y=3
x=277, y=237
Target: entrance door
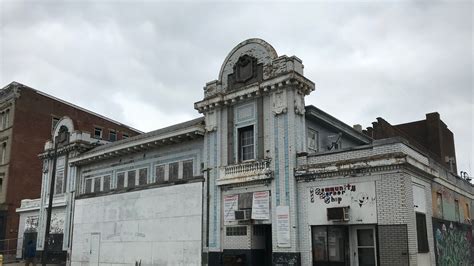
x=330, y=245
x=363, y=246
x=94, y=249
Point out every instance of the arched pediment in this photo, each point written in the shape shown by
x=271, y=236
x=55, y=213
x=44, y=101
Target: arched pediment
x=252, y=49
x=63, y=122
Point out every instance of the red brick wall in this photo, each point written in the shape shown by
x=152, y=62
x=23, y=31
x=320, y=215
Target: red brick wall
x=431, y=136
x=31, y=129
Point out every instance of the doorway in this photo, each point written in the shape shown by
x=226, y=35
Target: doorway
x=364, y=246
x=344, y=245
x=94, y=250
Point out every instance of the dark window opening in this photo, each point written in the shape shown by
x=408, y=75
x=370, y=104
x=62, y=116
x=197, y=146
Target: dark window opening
x=421, y=233
x=124, y=136
x=131, y=178
x=97, y=184
x=88, y=186
x=106, y=183
x=173, y=174
x=142, y=176
x=112, y=136
x=54, y=122
x=188, y=169
x=120, y=180
x=160, y=173
x=330, y=245
x=246, y=143
x=97, y=133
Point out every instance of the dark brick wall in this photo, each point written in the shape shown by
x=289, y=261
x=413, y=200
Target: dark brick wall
x=431, y=136
x=31, y=129
x=393, y=245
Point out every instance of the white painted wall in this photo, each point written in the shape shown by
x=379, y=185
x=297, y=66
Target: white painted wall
x=360, y=197
x=159, y=226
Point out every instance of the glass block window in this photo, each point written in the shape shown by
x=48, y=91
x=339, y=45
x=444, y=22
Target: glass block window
x=236, y=230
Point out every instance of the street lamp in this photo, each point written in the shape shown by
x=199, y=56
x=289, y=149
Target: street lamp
x=59, y=140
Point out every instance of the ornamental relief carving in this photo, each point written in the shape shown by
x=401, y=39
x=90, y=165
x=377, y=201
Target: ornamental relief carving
x=211, y=121
x=299, y=104
x=279, y=102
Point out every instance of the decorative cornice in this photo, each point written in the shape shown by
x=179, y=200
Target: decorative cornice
x=308, y=177
x=290, y=80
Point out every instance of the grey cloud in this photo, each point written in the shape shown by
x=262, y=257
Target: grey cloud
x=397, y=60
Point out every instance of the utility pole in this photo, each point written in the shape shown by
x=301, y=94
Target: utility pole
x=60, y=139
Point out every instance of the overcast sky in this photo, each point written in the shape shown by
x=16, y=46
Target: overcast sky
x=145, y=63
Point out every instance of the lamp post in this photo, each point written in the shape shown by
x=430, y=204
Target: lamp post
x=60, y=139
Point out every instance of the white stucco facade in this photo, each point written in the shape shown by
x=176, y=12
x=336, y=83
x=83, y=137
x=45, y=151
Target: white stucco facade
x=158, y=226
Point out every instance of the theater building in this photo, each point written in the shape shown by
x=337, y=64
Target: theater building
x=264, y=179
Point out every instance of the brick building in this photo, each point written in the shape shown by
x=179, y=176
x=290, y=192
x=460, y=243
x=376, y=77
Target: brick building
x=28, y=117
x=263, y=179
x=431, y=135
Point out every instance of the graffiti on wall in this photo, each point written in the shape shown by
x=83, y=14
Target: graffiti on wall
x=31, y=223
x=359, y=197
x=57, y=223
x=452, y=242
x=335, y=194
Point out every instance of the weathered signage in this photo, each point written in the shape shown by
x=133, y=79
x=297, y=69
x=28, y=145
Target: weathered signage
x=231, y=204
x=283, y=226
x=261, y=205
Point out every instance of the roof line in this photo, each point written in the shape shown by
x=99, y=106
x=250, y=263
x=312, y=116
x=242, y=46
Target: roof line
x=75, y=106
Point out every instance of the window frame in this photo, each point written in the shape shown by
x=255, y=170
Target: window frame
x=112, y=133
x=170, y=177
x=117, y=179
x=146, y=175
x=191, y=170
x=422, y=233
x=316, y=140
x=240, y=147
x=155, y=173
x=101, y=130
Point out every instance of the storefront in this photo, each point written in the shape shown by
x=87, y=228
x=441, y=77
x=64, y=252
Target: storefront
x=342, y=218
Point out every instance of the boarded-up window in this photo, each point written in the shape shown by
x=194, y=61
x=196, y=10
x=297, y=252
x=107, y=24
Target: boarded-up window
x=173, y=175
x=142, y=176
x=131, y=178
x=439, y=204
x=245, y=200
x=160, y=173
x=313, y=140
x=106, y=183
x=120, y=180
x=188, y=169
x=421, y=233
x=59, y=182
x=88, y=186
x=97, y=184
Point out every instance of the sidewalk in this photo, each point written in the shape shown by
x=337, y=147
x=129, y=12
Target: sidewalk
x=22, y=263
